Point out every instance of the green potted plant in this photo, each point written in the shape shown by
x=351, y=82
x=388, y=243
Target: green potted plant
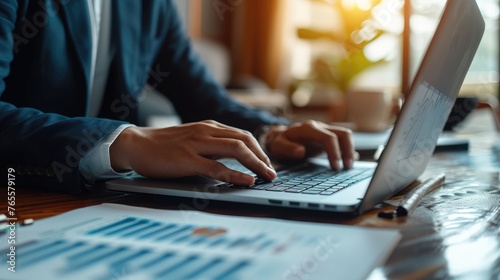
x=336, y=70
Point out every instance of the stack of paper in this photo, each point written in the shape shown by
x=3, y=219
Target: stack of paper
x=122, y=242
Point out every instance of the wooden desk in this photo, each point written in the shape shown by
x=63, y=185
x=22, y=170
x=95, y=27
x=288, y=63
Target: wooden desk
x=454, y=233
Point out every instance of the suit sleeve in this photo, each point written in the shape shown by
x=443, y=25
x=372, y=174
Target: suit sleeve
x=44, y=149
x=193, y=90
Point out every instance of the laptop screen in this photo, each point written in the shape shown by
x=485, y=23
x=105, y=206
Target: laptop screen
x=429, y=102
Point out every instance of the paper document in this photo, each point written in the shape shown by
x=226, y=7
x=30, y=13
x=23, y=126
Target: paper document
x=368, y=143
x=112, y=241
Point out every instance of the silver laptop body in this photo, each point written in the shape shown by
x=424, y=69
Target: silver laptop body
x=407, y=152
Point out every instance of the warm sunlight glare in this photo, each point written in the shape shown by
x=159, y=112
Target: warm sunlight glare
x=363, y=5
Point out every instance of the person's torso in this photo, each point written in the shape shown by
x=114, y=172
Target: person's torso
x=52, y=54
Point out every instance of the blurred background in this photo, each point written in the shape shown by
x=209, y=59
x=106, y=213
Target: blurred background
x=302, y=57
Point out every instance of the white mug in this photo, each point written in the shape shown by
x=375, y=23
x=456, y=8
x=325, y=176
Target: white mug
x=372, y=110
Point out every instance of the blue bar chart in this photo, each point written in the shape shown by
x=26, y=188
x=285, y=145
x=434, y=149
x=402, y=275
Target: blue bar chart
x=121, y=261
x=110, y=241
x=144, y=230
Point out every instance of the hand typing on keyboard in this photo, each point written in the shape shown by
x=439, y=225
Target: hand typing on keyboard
x=310, y=179
x=191, y=149
x=310, y=138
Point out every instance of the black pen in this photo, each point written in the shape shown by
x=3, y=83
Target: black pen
x=413, y=198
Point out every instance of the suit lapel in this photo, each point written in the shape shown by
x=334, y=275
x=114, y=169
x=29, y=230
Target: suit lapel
x=78, y=22
x=126, y=28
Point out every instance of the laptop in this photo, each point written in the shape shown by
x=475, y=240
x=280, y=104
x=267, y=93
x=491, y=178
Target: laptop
x=313, y=185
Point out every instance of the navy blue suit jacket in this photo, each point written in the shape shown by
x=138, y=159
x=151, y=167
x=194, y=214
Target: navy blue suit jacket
x=45, y=56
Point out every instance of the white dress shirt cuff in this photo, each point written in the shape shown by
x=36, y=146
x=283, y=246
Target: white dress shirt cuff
x=96, y=165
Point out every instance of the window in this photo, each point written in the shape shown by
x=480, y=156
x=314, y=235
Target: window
x=325, y=17
x=482, y=79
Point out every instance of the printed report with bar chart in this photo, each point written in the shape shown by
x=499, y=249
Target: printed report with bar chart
x=112, y=241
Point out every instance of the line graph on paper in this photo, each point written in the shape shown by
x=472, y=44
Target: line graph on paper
x=428, y=116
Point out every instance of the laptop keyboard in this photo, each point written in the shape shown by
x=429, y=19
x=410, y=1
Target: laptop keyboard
x=310, y=179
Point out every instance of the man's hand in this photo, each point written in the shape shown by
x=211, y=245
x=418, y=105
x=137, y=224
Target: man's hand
x=190, y=149
x=309, y=138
